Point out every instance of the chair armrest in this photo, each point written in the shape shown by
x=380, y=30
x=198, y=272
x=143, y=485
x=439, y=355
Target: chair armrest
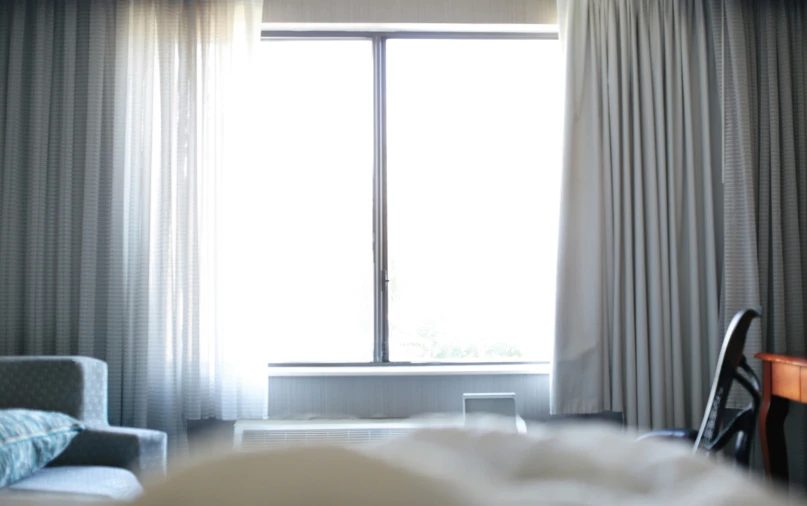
x=142, y=451
x=685, y=434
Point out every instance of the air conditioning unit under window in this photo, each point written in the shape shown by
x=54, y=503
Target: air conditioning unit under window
x=264, y=434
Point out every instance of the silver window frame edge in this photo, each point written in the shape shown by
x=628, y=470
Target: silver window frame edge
x=381, y=272
x=414, y=370
x=402, y=34
x=403, y=364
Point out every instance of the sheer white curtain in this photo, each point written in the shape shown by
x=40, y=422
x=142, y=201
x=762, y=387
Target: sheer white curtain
x=187, y=123
x=637, y=327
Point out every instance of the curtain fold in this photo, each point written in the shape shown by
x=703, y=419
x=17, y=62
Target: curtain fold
x=637, y=319
x=188, y=78
x=118, y=121
x=58, y=99
x=765, y=61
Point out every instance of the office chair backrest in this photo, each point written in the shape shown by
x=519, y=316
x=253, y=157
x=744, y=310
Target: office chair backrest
x=731, y=366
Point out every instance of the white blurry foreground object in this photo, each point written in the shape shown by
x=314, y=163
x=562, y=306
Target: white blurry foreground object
x=572, y=465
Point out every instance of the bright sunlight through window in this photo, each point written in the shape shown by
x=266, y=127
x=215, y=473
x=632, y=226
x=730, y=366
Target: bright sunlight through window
x=473, y=198
x=470, y=205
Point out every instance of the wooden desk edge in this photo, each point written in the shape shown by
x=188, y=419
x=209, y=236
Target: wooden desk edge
x=782, y=359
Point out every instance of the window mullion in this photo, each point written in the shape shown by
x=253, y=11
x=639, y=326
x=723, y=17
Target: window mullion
x=381, y=348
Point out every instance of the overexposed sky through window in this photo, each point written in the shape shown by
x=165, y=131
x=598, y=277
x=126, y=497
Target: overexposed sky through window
x=473, y=194
x=474, y=133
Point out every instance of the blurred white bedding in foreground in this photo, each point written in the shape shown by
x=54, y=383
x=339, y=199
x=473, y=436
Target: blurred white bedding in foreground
x=570, y=465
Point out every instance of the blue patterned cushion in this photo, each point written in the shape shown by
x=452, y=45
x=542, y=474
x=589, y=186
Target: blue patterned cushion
x=30, y=439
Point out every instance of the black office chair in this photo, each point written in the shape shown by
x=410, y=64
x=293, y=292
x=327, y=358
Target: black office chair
x=714, y=434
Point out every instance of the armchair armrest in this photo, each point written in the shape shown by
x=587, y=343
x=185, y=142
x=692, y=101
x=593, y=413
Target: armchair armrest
x=142, y=451
x=689, y=435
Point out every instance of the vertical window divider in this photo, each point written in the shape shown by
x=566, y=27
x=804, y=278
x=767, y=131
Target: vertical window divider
x=381, y=274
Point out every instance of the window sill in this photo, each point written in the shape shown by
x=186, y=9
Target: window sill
x=413, y=370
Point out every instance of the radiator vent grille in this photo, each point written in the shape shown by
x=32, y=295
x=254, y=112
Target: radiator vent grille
x=263, y=434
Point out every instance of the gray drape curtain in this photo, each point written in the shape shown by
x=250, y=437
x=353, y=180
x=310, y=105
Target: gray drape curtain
x=65, y=247
x=640, y=258
x=116, y=118
x=60, y=193
x=765, y=65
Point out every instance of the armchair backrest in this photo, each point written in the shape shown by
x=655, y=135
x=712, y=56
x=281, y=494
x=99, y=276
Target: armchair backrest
x=76, y=386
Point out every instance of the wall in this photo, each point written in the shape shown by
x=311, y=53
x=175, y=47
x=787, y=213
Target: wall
x=400, y=396
x=411, y=11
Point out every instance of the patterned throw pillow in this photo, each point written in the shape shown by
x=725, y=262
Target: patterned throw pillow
x=30, y=439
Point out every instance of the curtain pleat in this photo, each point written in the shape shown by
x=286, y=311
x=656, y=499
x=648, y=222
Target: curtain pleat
x=116, y=119
x=57, y=99
x=766, y=182
x=638, y=280
x=188, y=76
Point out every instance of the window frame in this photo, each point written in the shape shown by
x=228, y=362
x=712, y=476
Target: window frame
x=379, y=38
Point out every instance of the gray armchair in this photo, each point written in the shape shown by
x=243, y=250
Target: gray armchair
x=77, y=386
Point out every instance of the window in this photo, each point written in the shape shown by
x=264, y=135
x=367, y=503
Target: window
x=409, y=198
x=317, y=179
